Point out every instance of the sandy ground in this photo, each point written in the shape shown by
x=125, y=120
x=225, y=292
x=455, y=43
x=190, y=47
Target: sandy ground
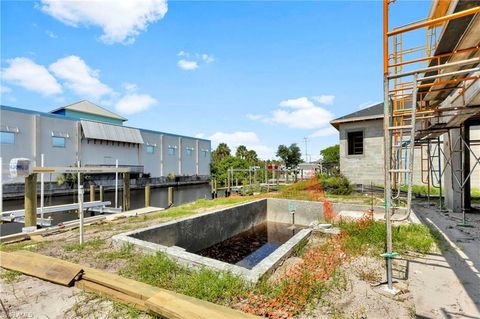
x=28, y=297
x=359, y=295
x=447, y=285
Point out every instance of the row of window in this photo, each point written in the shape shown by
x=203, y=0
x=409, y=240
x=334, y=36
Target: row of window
x=9, y=138
x=171, y=150
x=57, y=141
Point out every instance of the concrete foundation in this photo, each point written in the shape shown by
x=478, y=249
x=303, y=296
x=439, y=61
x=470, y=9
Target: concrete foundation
x=179, y=238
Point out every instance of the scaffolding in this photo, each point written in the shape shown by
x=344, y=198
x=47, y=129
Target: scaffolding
x=425, y=88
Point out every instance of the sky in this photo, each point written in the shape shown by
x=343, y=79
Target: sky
x=241, y=72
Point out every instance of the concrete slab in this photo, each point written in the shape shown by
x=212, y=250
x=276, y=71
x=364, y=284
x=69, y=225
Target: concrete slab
x=447, y=285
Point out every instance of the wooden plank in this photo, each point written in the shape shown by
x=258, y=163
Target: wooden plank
x=115, y=295
x=127, y=286
x=163, y=302
x=175, y=306
x=43, y=267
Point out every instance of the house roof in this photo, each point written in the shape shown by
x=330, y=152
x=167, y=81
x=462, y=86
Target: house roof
x=90, y=108
x=372, y=112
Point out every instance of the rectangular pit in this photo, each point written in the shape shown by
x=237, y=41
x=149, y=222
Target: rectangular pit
x=189, y=240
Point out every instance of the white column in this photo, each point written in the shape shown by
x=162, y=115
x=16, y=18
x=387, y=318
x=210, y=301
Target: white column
x=116, y=184
x=179, y=156
x=161, y=154
x=453, y=171
x=42, y=188
x=197, y=151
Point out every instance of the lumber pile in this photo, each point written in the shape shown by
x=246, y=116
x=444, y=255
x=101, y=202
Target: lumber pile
x=139, y=295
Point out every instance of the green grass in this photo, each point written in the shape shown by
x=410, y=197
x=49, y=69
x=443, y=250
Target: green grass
x=190, y=209
x=24, y=245
x=92, y=244
x=127, y=251
x=158, y=270
x=10, y=276
x=406, y=238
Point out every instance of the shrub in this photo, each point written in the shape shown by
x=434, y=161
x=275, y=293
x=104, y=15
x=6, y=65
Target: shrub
x=336, y=185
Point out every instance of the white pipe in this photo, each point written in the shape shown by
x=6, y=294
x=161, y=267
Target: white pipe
x=80, y=203
x=116, y=184
x=42, y=188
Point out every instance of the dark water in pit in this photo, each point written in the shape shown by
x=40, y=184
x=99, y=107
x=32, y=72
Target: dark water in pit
x=250, y=247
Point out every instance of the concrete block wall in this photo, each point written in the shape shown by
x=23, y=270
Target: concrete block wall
x=369, y=167
x=196, y=233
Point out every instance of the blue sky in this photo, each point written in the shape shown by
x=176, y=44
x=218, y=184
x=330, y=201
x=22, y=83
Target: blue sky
x=253, y=73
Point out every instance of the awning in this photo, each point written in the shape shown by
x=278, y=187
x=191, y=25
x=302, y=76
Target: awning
x=108, y=132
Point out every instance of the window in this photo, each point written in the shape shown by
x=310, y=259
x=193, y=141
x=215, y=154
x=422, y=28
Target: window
x=204, y=153
x=7, y=137
x=58, y=141
x=355, y=143
x=150, y=149
x=189, y=151
x=171, y=150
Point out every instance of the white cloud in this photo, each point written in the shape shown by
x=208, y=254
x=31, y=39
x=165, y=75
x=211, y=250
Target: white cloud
x=5, y=89
x=200, y=135
x=249, y=139
x=192, y=61
x=121, y=21
x=208, y=58
x=130, y=87
x=133, y=103
x=79, y=77
x=31, y=76
x=254, y=117
x=298, y=103
x=51, y=34
x=301, y=113
x=324, y=99
x=187, y=65
x=326, y=131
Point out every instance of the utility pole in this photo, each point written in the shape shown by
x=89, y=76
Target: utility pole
x=306, y=149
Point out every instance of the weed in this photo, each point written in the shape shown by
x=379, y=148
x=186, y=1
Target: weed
x=10, y=276
x=160, y=271
x=127, y=251
x=23, y=245
x=371, y=239
x=93, y=244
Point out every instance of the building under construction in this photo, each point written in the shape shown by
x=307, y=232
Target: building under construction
x=432, y=99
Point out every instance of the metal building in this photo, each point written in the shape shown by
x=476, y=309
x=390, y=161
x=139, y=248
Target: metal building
x=88, y=133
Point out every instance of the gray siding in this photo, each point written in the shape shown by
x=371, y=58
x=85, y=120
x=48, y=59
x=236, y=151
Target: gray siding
x=189, y=161
x=35, y=137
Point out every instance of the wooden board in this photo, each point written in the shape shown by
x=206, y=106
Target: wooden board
x=40, y=266
x=127, y=286
x=111, y=294
x=175, y=306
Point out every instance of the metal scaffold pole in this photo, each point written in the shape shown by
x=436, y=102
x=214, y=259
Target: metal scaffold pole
x=387, y=144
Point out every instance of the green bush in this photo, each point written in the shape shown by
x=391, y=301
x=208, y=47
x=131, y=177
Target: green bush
x=336, y=185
